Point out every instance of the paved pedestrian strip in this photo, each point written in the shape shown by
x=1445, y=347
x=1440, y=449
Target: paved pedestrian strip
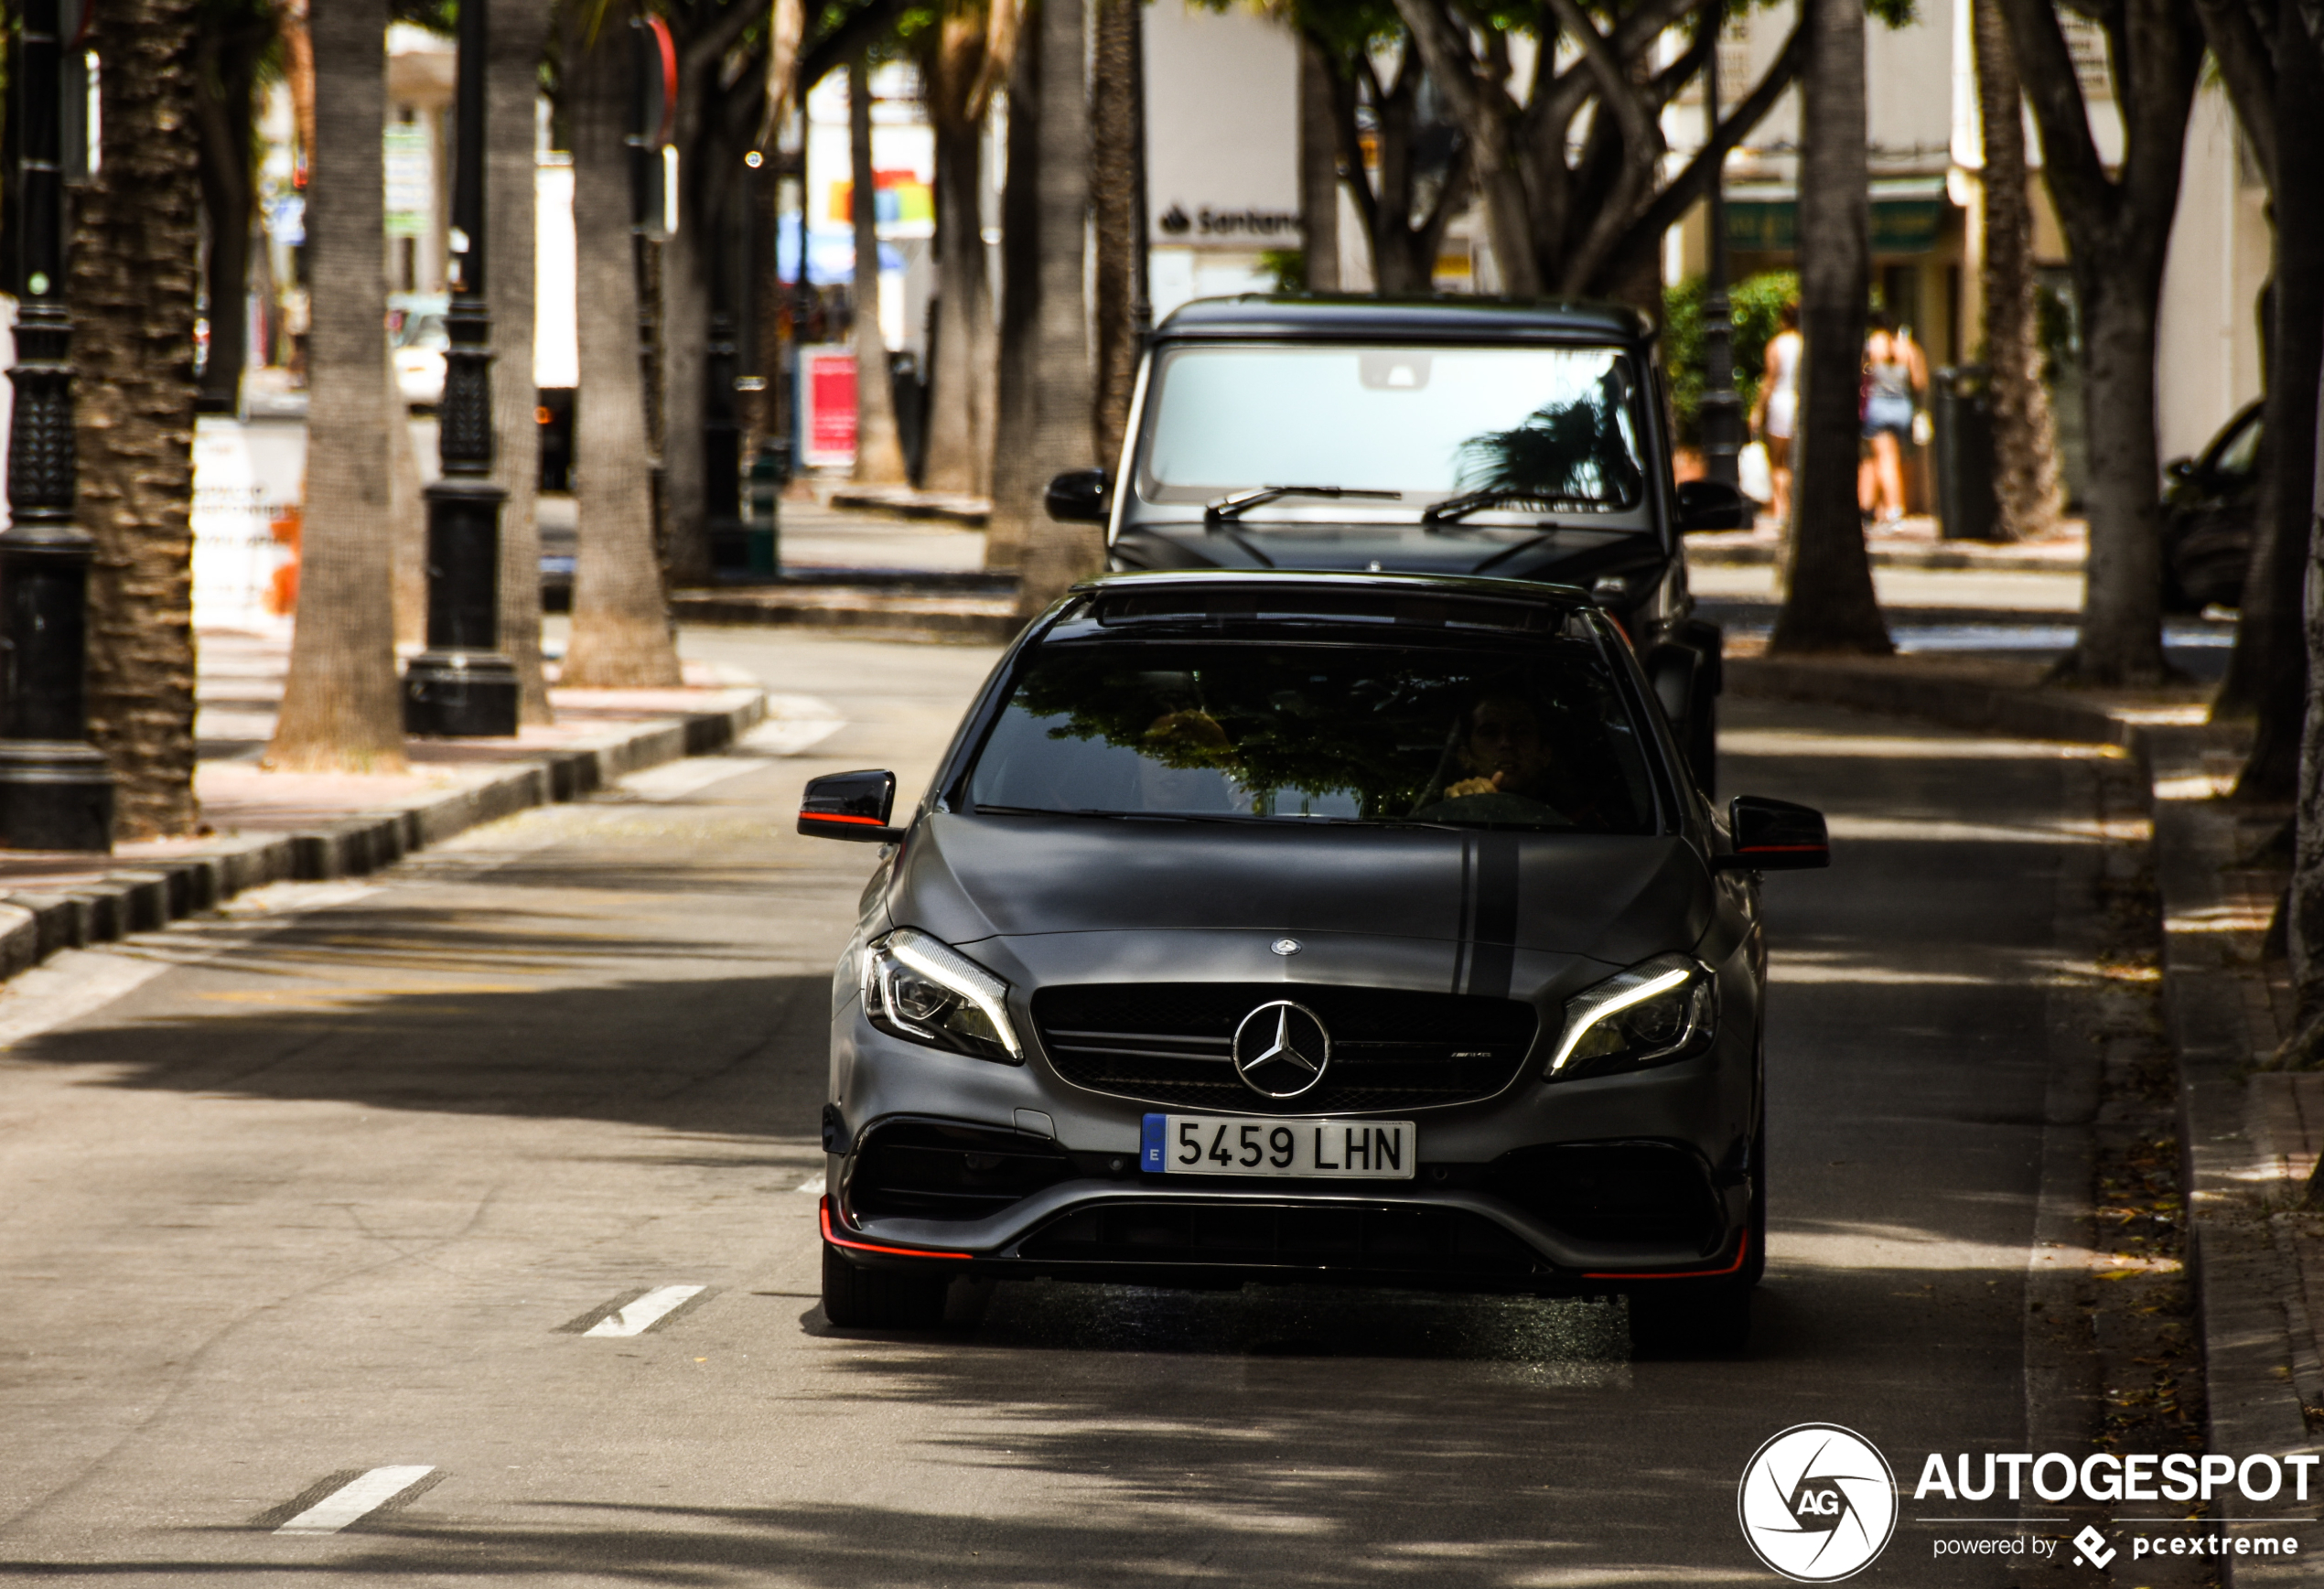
x=355, y=1500
x=634, y=1318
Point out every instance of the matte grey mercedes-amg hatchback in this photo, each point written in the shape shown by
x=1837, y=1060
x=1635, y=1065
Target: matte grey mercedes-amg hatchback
x=1329, y=928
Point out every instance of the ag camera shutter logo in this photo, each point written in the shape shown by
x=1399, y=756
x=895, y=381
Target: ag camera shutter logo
x=1817, y=1503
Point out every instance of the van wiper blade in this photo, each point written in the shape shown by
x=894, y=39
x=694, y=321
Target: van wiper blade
x=1234, y=507
x=1454, y=509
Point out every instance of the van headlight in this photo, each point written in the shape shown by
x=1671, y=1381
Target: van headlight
x=923, y=990
x=1660, y=1010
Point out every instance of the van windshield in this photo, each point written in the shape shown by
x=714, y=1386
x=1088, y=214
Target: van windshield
x=1530, y=738
x=1556, y=427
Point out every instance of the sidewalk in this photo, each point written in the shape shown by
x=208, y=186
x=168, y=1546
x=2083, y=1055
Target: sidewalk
x=268, y=827
x=1914, y=541
x=2247, y=1140
x=877, y=575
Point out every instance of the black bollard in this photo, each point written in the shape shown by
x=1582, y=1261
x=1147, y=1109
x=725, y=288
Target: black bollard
x=56, y=791
x=462, y=686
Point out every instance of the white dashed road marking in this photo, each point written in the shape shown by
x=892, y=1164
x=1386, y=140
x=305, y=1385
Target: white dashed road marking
x=812, y=1187
x=646, y=1312
x=354, y=1500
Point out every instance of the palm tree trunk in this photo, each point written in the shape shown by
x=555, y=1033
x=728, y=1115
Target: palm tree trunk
x=1017, y=495
x=2025, y=433
x=1830, y=605
x=1113, y=102
x=879, y=452
x=343, y=703
x=620, y=633
x=684, y=339
x=959, y=420
x=513, y=85
x=1056, y=555
x=227, y=52
x=135, y=267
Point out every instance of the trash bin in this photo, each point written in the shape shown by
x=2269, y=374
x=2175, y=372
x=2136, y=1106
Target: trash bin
x=1966, y=507
x=770, y=472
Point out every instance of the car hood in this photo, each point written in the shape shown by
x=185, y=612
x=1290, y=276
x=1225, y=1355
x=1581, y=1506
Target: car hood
x=1612, y=899
x=1570, y=556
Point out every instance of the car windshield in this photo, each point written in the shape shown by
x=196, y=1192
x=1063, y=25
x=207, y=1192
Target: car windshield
x=1536, y=738
x=1553, y=427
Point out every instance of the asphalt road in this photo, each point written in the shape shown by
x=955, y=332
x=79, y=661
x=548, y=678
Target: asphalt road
x=337, y=1183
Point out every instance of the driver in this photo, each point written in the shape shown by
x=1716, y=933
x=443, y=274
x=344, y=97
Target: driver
x=1507, y=756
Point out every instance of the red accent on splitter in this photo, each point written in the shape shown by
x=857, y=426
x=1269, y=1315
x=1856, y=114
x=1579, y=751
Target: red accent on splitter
x=824, y=1208
x=1741, y=1248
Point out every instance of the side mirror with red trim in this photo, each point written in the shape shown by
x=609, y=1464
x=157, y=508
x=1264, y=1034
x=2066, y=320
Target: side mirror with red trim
x=850, y=805
x=1774, y=836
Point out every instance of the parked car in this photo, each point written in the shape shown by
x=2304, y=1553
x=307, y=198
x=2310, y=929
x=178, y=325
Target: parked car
x=417, y=338
x=1336, y=928
x=2211, y=507
x=1527, y=442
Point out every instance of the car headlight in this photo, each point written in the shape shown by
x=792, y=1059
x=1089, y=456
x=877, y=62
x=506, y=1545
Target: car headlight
x=922, y=989
x=1660, y=1010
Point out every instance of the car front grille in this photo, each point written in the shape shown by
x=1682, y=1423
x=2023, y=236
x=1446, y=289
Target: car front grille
x=1372, y=1238
x=1171, y=1043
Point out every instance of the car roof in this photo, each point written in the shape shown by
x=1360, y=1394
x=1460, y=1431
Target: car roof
x=1259, y=314
x=1384, y=582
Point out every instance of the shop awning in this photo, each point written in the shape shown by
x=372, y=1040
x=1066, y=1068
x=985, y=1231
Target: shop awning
x=1908, y=212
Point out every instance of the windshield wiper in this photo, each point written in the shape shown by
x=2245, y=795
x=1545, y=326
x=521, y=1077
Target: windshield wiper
x=1454, y=509
x=1232, y=507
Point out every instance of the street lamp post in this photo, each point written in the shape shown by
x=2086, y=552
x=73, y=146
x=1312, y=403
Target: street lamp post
x=1722, y=410
x=56, y=792
x=462, y=685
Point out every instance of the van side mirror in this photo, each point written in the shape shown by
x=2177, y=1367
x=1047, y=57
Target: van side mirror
x=1711, y=505
x=1774, y=836
x=1077, y=496
x=850, y=805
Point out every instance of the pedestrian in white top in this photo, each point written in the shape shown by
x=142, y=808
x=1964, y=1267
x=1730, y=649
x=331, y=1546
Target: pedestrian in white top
x=1776, y=415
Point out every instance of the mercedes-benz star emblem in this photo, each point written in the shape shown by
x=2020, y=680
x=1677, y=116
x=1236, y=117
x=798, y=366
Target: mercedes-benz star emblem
x=1281, y=1050
x=1285, y=946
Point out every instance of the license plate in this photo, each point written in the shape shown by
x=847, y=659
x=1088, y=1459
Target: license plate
x=1226, y=1145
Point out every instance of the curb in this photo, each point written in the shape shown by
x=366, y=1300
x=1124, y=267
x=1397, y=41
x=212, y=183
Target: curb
x=2253, y=1369
x=1953, y=556
x=906, y=503
x=38, y=923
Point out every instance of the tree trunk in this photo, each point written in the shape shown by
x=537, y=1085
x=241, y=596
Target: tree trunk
x=2025, y=431
x=683, y=338
x=343, y=703
x=1056, y=555
x=2268, y=671
x=1017, y=495
x=1113, y=204
x=960, y=422
x=1829, y=605
x=407, y=519
x=2117, y=222
x=879, y=452
x=227, y=50
x=620, y=633
x=1318, y=172
x=134, y=266
x=2122, y=622
x=519, y=34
